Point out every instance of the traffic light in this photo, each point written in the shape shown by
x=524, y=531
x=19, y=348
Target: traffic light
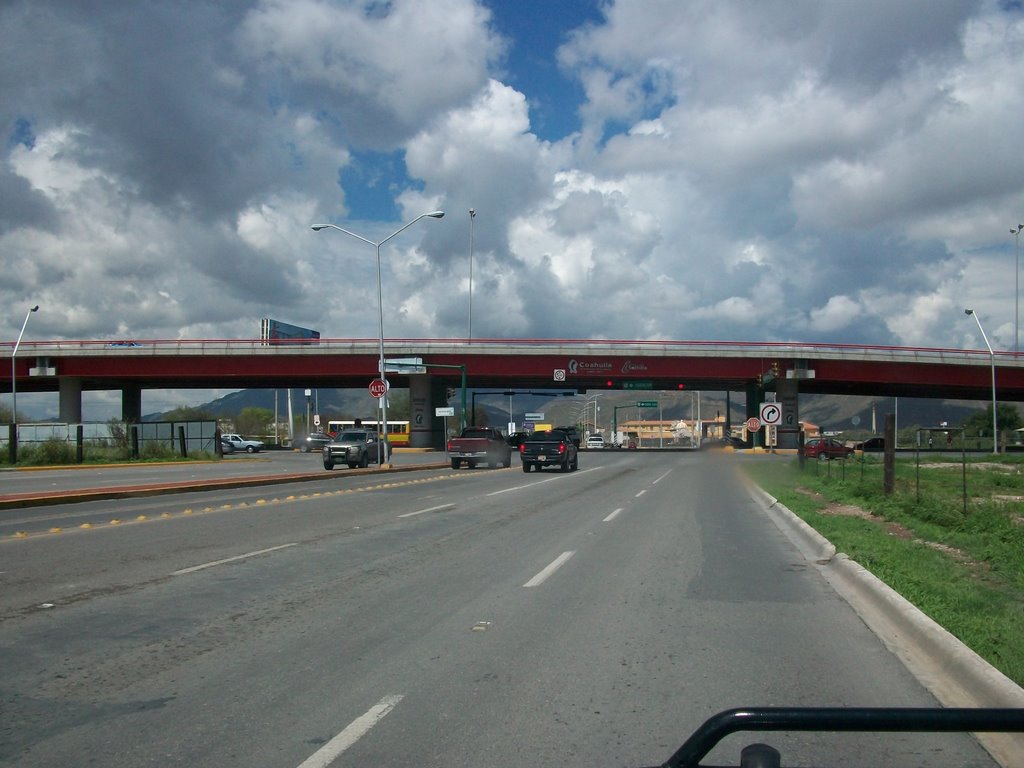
x=680, y=386
x=775, y=369
x=450, y=392
x=609, y=383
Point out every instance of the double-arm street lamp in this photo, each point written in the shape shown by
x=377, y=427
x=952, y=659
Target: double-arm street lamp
x=992, y=357
x=380, y=303
x=14, y=354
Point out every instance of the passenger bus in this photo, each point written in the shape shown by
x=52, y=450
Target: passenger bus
x=398, y=431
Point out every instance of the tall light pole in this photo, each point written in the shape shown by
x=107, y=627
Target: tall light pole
x=992, y=356
x=472, y=216
x=14, y=378
x=380, y=306
x=1016, y=289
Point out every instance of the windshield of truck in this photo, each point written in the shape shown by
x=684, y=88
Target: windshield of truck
x=352, y=437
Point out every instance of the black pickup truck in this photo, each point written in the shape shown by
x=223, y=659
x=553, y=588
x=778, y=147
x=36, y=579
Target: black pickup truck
x=544, y=449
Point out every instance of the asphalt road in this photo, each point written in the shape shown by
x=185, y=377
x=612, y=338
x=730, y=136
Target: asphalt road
x=431, y=618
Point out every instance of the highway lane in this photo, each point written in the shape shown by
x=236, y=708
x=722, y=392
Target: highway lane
x=461, y=618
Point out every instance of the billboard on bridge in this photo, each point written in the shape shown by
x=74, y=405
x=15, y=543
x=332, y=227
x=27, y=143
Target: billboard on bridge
x=274, y=331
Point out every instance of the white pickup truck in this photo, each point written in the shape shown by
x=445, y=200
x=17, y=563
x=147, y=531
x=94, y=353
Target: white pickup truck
x=239, y=443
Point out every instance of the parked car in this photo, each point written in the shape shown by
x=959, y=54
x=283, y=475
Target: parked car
x=595, y=441
x=543, y=449
x=240, y=443
x=826, y=448
x=357, y=448
x=314, y=441
x=871, y=445
x=226, y=446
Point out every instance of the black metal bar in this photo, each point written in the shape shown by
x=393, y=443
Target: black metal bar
x=873, y=719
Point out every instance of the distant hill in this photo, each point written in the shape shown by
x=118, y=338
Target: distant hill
x=331, y=403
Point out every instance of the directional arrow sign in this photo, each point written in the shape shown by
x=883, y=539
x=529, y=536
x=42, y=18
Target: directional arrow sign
x=771, y=414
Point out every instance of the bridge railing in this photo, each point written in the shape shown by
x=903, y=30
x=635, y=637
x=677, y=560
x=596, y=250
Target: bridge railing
x=795, y=350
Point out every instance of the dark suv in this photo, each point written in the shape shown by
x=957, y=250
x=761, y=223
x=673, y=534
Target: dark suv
x=573, y=434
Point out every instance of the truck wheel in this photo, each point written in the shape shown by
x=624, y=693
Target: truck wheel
x=251, y=449
x=576, y=462
x=328, y=465
x=456, y=463
x=507, y=462
x=364, y=461
x=352, y=465
x=526, y=466
x=471, y=464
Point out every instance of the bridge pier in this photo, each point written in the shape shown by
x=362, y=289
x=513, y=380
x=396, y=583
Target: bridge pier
x=70, y=403
x=131, y=403
x=787, y=395
x=425, y=429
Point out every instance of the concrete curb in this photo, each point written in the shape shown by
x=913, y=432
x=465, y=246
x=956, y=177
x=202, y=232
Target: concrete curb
x=952, y=672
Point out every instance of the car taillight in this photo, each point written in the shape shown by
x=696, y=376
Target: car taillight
x=521, y=447
x=561, y=447
x=449, y=446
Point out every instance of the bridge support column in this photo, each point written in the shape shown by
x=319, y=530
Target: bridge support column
x=787, y=395
x=70, y=404
x=425, y=429
x=131, y=403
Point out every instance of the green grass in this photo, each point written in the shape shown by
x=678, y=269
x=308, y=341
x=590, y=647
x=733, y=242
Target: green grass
x=964, y=570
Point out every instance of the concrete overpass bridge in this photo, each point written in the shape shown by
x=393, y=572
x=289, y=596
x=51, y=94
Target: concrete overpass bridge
x=71, y=367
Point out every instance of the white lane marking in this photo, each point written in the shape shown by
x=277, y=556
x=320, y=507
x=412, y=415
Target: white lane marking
x=613, y=515
x=640, y=494
x=538, y=482
x=541, y=577
x=428, y=509
x=662, y=477
x=355, y=730
x=195, y=568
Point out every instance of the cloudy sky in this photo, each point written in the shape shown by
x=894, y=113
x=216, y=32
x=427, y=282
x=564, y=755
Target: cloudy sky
x=797, y=170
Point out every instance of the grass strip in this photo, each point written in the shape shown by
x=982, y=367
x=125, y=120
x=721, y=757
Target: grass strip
x=963, y=569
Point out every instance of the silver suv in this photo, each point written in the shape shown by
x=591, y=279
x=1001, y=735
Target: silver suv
x=357, y=448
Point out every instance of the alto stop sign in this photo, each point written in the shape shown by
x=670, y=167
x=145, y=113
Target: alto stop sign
x=378, y=387
x=753, y=424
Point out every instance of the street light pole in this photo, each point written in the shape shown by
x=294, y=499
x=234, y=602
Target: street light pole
x=992, y=356
x=14, y=378
x=380, y=308
x=472, y=216
x=1016, y=289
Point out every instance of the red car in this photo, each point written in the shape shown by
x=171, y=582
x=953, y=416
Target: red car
x=826, y=448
